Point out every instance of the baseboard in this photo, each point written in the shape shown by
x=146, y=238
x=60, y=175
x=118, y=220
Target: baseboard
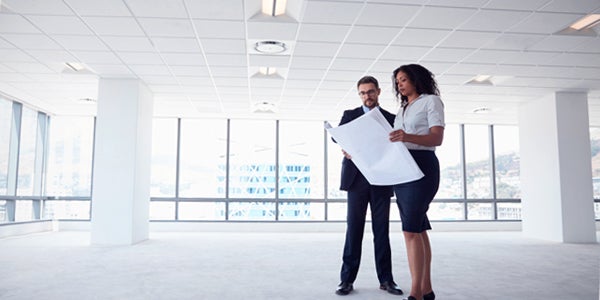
x=21, y=228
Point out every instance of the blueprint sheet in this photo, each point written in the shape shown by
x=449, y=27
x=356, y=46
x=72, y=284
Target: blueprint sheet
x=381, y=161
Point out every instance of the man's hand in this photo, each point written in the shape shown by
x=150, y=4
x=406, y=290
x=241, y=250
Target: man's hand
x=346, y=154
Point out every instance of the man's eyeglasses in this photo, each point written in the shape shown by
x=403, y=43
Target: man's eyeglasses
x=369, y=92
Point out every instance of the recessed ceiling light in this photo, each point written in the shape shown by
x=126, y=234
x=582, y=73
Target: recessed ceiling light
x=583, y=26
x=269, y=47
x=481, y=80
x=481, y=110
x=264, y=107
x=75, y=66
x=274, y=7
x=588, y=21
x=87, y=100
x=267, y=70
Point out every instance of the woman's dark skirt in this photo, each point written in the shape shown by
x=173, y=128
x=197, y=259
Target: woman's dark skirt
x=413, y=198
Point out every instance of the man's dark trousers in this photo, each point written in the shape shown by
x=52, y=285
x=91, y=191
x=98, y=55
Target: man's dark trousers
x=361, y=194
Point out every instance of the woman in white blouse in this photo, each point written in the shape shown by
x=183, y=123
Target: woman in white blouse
x=419, y=125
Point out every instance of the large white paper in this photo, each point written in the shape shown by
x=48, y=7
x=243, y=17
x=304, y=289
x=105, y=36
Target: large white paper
x=381, y=161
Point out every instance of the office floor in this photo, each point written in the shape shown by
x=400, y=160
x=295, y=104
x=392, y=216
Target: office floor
x=295, y=265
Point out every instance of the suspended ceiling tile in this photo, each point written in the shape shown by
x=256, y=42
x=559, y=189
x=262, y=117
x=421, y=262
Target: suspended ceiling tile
x=184, y=59
x=224, y=46
x=99, y=8
x=544, y=23
x=514, y=41
x=176, y=45
x=222, y=9
x=331, y=12
x=157, y=8
x=441, y=17
x=376, y=14
x=161, y=27
x=13, y=23
x=323, y=32
x=468, y=39
x=97, y=57
x=494, y=20
x=271, y=30
x=372, y=35
x=79, y=42
x=360, y=51
x=31, y=41
x=38, y=7
x=421, y=37
x=114, y=26
x=120, y=43
x=227, y=29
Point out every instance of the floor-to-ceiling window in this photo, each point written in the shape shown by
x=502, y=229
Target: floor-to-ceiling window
x=5, y=127
x=241, y=170
x=69, y=168
x=301, y=179
x=202, y=169
x=26, y=163
x=163, y=179
x=449, y=204
x=595, y=144
x=252, y=170
x=507, y=179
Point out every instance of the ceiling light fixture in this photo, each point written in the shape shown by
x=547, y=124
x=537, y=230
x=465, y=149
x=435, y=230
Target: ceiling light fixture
x=274, y=7
x=267, y=70
x=75, y=66
x=270, y=47
x=481, y=80
x=87, y=100
x=586, y=22
x=265, y=107
x=481, y=110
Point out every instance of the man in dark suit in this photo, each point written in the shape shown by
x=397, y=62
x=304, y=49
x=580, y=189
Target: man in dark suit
x=361, y=194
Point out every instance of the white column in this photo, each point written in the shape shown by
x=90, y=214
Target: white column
x=556, y=171
x=121, y=185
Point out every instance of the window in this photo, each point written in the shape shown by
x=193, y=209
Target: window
x=506, y=150
x=477, y=157
x=301, y=159
x=25, y=179
x=69, y=170
x=595, y=144
x=252, y=155
x=5, y=127
x=334, y=170
x=203, y=158
x=451, y=178
x=164, y=158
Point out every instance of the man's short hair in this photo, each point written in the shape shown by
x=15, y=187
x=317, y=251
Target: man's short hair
x=368, y=79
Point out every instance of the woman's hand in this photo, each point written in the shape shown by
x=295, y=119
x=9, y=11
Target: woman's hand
x=398, y=136
x=432, y=139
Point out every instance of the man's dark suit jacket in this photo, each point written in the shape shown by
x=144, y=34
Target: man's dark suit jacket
x=349, y=169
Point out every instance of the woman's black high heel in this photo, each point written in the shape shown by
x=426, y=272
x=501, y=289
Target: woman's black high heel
x=430, y=296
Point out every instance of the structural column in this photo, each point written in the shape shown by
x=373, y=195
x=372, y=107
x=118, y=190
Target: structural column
x=122, y=151
x=556, y=172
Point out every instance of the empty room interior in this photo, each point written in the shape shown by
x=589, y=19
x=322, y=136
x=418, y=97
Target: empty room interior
x=184, y=149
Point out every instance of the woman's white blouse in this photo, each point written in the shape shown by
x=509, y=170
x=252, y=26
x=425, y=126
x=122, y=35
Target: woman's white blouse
x=416, y=118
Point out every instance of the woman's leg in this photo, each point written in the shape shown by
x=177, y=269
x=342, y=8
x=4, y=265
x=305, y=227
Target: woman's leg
x=416, y=261
x=426, y=279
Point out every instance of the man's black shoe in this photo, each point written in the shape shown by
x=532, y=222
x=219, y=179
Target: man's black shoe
x=391, y=288
x=344, y=288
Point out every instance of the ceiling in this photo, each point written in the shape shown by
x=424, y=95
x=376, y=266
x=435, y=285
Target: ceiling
x=198, y=57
